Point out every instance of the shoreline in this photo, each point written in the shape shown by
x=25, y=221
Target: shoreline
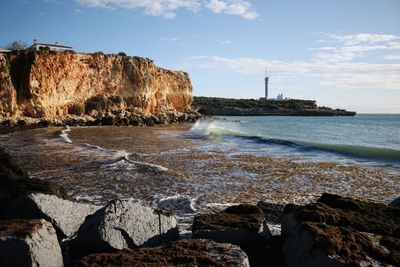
x=120, y=118
x=248, y=228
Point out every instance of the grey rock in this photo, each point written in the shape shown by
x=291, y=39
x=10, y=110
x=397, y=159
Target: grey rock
x=29, y=243
x=124, y=224
x=66, y=216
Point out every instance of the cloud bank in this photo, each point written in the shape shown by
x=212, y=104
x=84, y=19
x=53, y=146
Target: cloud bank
x=332, y=66
x=168, y=8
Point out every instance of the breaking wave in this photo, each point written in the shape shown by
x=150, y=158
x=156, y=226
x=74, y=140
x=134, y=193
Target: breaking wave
x=213, y=128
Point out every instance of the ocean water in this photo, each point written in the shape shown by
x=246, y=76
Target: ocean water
x=370, y=138
x=216, y=163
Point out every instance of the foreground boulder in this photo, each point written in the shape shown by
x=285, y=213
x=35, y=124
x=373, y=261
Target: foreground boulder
x=29, y=243
x=178, y=253
x=237, y=225
x=338, y=231
x=122, y=224
x=66, y=216
x=14, y=181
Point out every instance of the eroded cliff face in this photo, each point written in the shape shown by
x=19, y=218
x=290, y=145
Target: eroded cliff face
x=54, y=84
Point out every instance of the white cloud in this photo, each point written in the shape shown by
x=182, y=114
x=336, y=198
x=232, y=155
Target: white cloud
x=346, y=75
x=345, y=48
x=168, y=8
x=363, y=38
x=165, y=8
x=392, y=57
x=168, y=39
x=232, y=7
x=224, y=42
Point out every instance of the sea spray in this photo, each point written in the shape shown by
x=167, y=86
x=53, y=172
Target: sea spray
x=64, y=135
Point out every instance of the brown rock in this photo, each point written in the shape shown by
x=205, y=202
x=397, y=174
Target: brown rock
x=236, y=225
x=178, y=253
x=339, y=231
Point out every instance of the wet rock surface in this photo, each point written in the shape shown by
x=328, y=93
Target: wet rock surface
x=339, y=231
x=29, y=243
x=178, y=253
x=123, y=224
x=66, y=216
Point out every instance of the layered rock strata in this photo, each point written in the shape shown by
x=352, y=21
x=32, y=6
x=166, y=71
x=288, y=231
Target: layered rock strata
x=55, y=85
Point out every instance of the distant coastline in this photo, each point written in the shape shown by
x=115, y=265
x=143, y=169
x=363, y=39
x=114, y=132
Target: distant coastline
x=215, y=106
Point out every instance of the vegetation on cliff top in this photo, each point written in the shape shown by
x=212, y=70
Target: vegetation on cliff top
x=253, y=103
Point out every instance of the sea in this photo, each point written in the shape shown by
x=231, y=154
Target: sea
x=214, y=163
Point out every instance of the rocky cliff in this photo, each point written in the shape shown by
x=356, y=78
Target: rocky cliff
x=48, y=85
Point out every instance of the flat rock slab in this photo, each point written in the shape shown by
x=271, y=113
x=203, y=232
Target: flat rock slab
x=178, y=253
x=29, y=243
x=66, y=216
x=123, y=224
x=339, y=231
x=237, y=225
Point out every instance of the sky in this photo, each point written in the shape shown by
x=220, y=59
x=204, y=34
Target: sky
x=344, y=54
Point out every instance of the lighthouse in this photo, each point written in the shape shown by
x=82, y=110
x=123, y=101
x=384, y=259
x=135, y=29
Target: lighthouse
x=266, y=84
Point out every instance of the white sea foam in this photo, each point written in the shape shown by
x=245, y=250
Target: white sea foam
x=64, y=135
x=210, y=128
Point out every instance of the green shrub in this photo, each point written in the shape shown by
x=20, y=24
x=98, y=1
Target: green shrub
x=77, y=109
x=97, y=103
x=122, y=54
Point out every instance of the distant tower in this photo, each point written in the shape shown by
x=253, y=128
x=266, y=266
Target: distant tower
x=266, y=84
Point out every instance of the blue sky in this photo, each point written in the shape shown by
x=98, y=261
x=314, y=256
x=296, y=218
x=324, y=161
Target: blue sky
x=342, y=53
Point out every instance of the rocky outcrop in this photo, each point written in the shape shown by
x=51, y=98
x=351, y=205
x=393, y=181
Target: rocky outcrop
x=29, y=243
x=123, y=224
x=215, y=106
x=66, y=216
x=237, y=225
x=46, y=84
x=178, y=253
x=339, y=231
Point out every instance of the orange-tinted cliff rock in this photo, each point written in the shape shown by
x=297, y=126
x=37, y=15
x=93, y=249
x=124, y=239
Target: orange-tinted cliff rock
x=47, y=84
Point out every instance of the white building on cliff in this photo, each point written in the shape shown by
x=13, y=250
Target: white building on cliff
x=52, y=47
